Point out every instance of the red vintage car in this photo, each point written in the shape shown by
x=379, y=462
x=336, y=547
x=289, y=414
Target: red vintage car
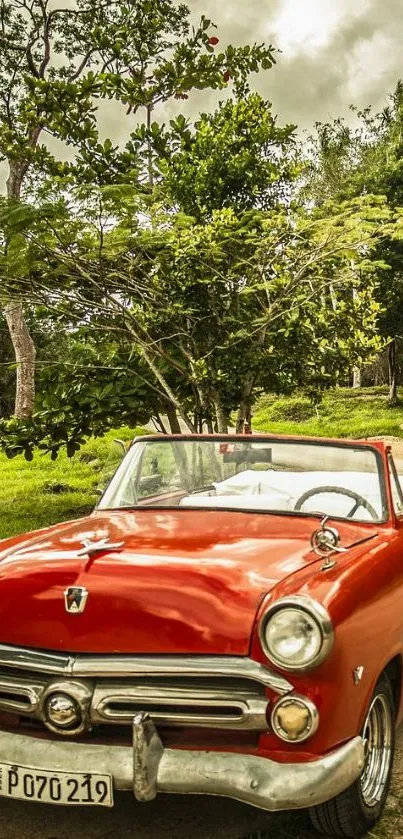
x=227, y=621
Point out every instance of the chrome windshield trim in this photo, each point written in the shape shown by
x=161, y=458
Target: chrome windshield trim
x=87, y=666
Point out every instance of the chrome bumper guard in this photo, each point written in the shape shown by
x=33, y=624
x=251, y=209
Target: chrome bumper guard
x=148, y=768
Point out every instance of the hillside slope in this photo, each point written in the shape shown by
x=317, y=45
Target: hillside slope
x=37, y=494
x=43, y=492
x=343, y=412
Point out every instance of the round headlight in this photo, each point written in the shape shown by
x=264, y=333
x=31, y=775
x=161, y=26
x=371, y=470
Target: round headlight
x=296, y=633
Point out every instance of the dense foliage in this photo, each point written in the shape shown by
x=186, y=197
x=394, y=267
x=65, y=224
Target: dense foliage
x=178, y=275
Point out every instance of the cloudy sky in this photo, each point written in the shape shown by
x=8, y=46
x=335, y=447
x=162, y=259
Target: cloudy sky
x=334, y=52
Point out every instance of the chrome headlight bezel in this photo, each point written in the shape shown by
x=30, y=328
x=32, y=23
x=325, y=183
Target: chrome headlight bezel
x=316, y=612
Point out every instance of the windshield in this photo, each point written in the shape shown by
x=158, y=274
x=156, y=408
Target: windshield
x=251, y=474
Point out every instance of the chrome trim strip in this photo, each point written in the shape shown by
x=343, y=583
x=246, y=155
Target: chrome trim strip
x=20, y=696
x=93, y=666
x=195, y=666
x=147, y=768
x=22, y=658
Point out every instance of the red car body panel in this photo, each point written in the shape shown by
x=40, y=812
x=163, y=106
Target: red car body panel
x=198, y=582
x=185, y=582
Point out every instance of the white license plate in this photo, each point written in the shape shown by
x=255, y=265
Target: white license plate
x=70, y=788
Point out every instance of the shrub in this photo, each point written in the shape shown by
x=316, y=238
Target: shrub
x=294, y=409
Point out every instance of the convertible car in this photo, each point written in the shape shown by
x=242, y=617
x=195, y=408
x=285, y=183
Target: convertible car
x=227, y=621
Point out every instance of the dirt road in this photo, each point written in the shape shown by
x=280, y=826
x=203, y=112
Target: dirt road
x=177, y=817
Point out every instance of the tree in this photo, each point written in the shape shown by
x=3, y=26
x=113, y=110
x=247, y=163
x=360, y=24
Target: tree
x=6, y=371
x=55, y=63
x=347, y=163
x=213, y=309
x=237, y=157
x=206, y=298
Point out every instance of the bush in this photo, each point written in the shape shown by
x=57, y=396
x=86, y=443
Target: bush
x=293, y=409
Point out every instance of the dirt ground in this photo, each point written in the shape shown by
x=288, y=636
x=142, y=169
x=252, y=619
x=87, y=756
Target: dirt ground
x=169, y=817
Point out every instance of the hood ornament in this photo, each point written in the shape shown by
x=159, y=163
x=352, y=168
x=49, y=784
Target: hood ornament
x=90, y=548
x=75, y=599
x=325, y=540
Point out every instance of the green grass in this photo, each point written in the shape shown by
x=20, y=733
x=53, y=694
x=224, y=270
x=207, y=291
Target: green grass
x=43, y=492
x=342, y=413
x=37, y=494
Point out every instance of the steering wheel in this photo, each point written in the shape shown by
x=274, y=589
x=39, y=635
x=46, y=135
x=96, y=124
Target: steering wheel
x=360, y=501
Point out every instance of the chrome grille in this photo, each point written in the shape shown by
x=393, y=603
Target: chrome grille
x=208, y=692
x=224, y=703
x=20, y=695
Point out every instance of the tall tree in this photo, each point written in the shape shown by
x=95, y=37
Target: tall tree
x=56, y=62
x=348, y=162
x=216, y=308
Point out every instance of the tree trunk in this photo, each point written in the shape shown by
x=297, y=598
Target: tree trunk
x=204, y=398
x=158, y=422
x=243, y=421
x=248, y=420
x=164, y=384
x=392, y=373
x=173, y=420
x=24, y=347
x=222, y=419
x=25, y=354
x=241, y=418
x=356, y=376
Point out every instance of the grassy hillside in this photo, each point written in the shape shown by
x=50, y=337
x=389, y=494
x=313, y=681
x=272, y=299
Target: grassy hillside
x=37, y=494
x=40, y=493
x=342, y=413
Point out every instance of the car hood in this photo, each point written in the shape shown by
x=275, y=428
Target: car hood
x=182, y=581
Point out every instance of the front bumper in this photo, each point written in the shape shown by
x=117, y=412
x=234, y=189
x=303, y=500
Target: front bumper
x=148, y=768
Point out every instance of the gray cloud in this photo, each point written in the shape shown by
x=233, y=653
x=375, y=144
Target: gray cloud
x=334, y=53
x=360, y=64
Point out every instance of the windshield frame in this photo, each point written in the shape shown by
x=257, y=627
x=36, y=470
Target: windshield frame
x=259, y=438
